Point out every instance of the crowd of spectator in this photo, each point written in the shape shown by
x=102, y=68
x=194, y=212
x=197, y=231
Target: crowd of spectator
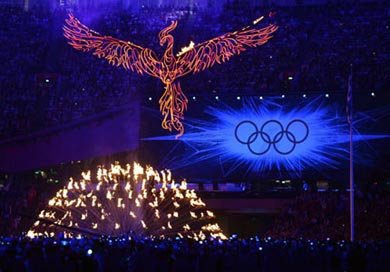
x=21, y=198
x=310, y=234
x=152, y=254
x=45, y=82
x=318, y=215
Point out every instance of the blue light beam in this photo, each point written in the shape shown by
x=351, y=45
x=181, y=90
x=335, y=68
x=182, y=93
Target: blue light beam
x=267, y=135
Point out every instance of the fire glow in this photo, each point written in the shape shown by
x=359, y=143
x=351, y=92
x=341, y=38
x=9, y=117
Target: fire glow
x=123, y=201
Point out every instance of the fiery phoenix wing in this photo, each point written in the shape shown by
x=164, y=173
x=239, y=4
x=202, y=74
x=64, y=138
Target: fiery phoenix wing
x=220, y=49
x=117, y=52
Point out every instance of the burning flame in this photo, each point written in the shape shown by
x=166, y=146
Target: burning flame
x=119, y=200
x=186, y=49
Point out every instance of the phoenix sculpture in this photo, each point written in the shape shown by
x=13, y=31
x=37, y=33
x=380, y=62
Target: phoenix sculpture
x=170, y=67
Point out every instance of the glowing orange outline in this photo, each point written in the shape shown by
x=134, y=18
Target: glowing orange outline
x=169, y=68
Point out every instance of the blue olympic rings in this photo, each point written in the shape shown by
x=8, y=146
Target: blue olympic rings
x=268, y=139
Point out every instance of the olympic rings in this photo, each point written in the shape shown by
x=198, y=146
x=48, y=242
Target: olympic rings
x=271, y=140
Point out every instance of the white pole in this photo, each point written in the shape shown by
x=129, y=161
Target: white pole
x=351, y=185
x=351, y=177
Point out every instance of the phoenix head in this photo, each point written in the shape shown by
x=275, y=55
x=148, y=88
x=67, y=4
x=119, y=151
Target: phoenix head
x=164, y=35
